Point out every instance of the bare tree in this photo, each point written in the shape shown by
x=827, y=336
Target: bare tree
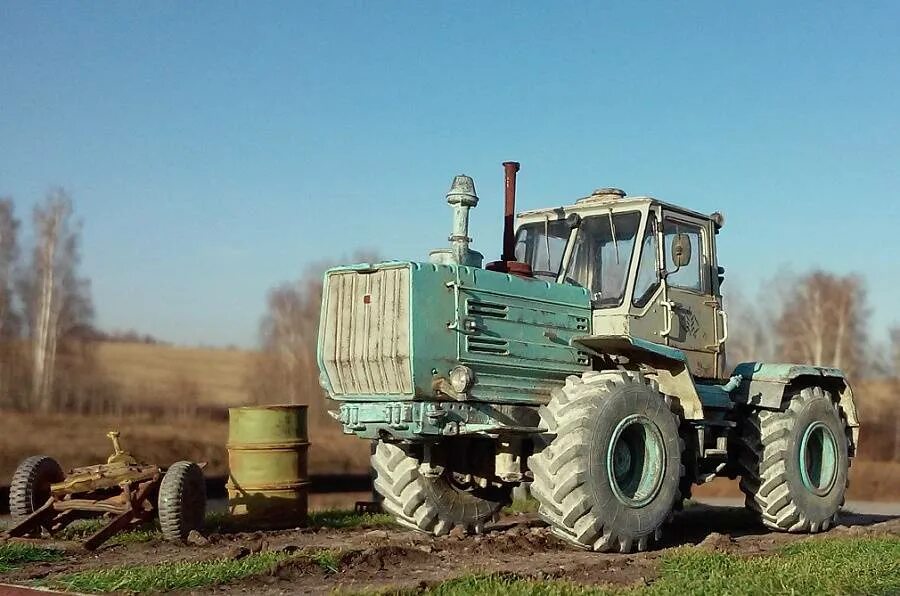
x=894, y=334
x=823, y=321
x=750, y=327
x=56, y=299
x=9, y=255
x=287, y=370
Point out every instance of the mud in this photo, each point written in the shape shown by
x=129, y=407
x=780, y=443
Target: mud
x=368, y=558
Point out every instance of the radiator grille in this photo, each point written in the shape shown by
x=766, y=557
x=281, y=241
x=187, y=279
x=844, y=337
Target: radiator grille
x=365, y=333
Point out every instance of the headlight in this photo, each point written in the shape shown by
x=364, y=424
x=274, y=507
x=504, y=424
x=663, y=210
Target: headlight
x=461, y=378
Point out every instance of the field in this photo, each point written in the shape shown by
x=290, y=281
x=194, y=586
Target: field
x=177, y=381
x=177, y=399
x=708, y=550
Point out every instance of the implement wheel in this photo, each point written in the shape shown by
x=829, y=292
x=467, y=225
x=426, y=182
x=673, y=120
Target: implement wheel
x=431, y=505
x=609, y=478
x=30, y=486
x=794, y=464
x=182, y=501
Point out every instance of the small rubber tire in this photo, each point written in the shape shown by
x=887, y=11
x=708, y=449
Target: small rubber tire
x=30, y=486
x=182, y=501
x=598, y=488
x=430, y=505
x=774, y=476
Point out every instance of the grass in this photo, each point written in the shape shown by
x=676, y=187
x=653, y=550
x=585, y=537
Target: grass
x=337, y=519
x=81, y=529
x=340, y=519
x=187, y=575
x=184, y=575
x=16, y=554
x=521, y=506
x=824, y=566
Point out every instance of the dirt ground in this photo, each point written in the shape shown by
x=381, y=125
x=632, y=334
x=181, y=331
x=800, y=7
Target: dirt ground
x=520, y=544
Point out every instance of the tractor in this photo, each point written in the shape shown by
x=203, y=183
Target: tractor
x=588, y=362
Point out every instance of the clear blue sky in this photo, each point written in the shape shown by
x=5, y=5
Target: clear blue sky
x=216, y=149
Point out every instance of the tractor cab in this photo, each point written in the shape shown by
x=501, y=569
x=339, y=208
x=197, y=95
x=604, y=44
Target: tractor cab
x=649, y=267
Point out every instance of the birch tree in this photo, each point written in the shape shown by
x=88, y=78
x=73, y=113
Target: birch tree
x=56, y=299
x=750, y=328
x=286, y=370
x=823, y=321
x=9, y=255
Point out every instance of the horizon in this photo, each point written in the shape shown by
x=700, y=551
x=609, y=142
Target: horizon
x=213, y=154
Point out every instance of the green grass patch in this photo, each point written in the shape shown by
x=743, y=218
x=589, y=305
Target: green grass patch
x=81, y=529
x=822, y=566
x=522, y=506
x=499, y=584
x=187, y=575
x=16, y=554
x=339, y=519
x=342, y=519
x=169, y=576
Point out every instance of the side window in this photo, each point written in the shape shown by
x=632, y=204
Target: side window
x=688, y=277
x=648, y=271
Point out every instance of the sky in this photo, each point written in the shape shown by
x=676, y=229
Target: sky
x=216, y=149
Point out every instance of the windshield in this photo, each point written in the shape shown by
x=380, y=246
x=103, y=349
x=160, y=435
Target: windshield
x=601, y=257
x=542, y=245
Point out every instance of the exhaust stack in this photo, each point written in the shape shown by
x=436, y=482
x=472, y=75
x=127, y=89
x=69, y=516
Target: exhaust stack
x=510, y=168
x=507, y=262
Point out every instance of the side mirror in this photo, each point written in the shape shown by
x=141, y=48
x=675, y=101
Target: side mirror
x=681, y=250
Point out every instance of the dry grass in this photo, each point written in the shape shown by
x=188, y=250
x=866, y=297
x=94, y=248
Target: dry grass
x=81, y=440
x=165, y=376
x=166, y=372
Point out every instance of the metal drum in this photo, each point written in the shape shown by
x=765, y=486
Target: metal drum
x=268, y=479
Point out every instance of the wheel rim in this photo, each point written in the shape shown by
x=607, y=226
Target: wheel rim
x=635, y=461
x=818, y=458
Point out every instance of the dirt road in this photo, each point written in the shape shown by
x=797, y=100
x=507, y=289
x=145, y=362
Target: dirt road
x=519, y=544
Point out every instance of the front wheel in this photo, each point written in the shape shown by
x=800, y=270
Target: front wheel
x=30, y=486
x=609, y=478
x=434, y=505
x=795, y=463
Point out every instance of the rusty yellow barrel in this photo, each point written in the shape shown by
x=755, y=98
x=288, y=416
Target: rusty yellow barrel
x=267, y=479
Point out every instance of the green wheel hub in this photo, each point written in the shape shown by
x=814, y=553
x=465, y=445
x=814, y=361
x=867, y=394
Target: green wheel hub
x=635, y=461
x=818, y=459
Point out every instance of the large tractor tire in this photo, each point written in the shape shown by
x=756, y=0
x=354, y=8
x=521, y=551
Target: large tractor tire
x=30, y=486
x=431, y=505
x=795, y=463
x=609, y=478
x=182, y=501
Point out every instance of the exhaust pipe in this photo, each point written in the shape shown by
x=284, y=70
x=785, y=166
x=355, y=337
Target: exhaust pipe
x=509, y=211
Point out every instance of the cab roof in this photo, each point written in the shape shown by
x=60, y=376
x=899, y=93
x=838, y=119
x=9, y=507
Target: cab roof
x=606, y=200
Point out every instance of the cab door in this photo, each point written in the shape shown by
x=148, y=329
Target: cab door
x=693, y=308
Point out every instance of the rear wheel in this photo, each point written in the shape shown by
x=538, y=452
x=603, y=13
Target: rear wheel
x=795, y=463
x=182, y=501
x=434, y=505
x=609, y=478
x=30, y=486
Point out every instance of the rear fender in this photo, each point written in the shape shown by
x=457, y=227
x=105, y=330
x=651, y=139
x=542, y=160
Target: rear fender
x=766, y=385
x=673, y=375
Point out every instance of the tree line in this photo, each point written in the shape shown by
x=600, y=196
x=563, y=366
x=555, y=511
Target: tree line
x=816, y=317
x=46, y=309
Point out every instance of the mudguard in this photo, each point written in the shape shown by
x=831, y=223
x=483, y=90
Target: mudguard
x=764, y=385
x=674, y=378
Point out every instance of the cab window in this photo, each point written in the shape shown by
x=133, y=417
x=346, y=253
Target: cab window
x=690, y=276
x=601, y=257
x=647, y=280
